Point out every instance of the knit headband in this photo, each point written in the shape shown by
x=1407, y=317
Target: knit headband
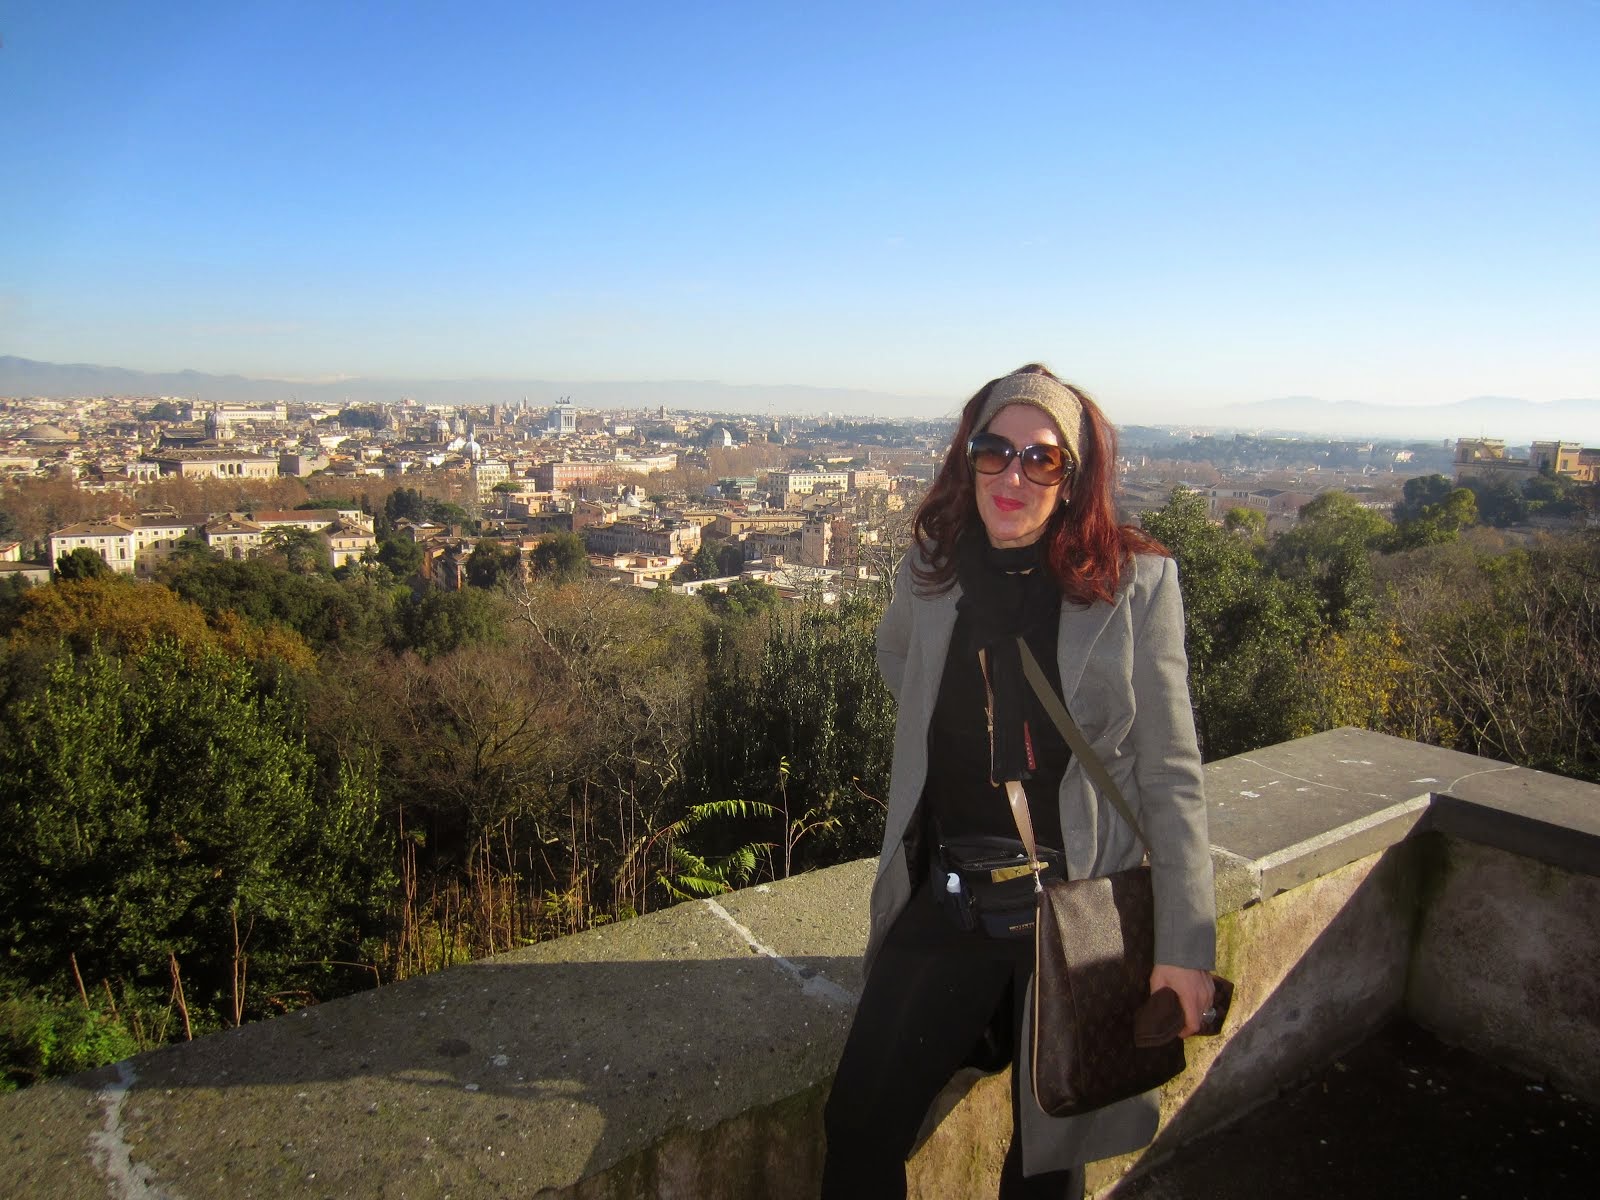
x=1042, y=392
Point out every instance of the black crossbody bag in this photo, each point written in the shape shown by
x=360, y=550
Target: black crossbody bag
x=987, y=883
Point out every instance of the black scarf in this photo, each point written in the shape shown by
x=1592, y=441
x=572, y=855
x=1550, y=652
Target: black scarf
x=1006, y=594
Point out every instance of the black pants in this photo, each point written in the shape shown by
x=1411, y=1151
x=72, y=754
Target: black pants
x=932, y=997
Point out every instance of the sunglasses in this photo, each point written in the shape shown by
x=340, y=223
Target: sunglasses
x=1045, y=465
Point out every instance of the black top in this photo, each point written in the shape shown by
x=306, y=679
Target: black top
x=1014, y=593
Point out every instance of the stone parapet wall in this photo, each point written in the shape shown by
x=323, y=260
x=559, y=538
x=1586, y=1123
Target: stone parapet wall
x=688, y=1053
x=1507, y=962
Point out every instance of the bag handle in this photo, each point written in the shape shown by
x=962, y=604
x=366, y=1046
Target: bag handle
x=1020, y=813
x=1024, y=819
x=1080, y=747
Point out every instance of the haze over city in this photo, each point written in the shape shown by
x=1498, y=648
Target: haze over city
x=1183, y=207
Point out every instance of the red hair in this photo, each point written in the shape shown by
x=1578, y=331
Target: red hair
x=1084, y=545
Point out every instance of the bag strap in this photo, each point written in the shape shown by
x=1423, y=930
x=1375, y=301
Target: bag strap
x=1020, y=814
x=1080, y=747
x=1024, y=819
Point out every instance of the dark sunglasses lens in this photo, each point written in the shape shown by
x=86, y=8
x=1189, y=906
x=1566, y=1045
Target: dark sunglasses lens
x=989, y=453
x=1044, y=465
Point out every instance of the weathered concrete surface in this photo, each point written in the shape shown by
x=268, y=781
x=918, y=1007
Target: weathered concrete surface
x=1237, y=880
x=525, y=1072
x=1544, y=817
x=963, y=1154
x=1507, y=962
x=1300, y=809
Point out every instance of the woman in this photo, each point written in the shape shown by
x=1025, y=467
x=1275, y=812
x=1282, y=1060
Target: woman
x=1018, y=535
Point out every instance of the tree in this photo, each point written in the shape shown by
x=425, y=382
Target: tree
x=1250, y=522
x=1500, y=503
x=162, y=814
x=494, y=565
x=409, y=504
x=126, y=616
x=730, y=559
x=810, y=732
x=35, y=508
x=326, y=612
x=187, y=550
x=360, y=418
x=1245, y=631
x=744, y=598
x=1506, y=653
x=630, y=688
x=1438, y=523
x=301, y=551
x=1553, y=494
x=704, y=563
x=560, y=558
x=401, y=555
x=405, y=504
x=1330, y=550
x=12, y=589
x=162, y=410
x=440, y=622
x=82, y=563
x=1419, y=494
x=121, y=614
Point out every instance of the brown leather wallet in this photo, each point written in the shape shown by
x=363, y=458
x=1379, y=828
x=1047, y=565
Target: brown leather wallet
x=1160, y=1018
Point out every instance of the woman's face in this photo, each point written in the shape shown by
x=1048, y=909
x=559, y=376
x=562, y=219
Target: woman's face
x=1013, y=508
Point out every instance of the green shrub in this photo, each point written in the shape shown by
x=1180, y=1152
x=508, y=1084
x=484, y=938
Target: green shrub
x=42, y=1038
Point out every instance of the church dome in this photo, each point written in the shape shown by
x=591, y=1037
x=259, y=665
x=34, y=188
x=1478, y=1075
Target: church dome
x=46, y=433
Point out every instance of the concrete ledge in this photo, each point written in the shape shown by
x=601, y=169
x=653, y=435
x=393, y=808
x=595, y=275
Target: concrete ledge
x=1298, y=810
x=1237, y=880
x=528, y=1073
x=688, y=1053
x=1561, y=830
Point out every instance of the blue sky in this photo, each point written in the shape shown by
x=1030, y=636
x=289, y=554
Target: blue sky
x=1177, y=204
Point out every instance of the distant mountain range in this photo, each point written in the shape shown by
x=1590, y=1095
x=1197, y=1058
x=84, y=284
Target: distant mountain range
x=25, y=377
x=1517, y=422
x=1513, y=420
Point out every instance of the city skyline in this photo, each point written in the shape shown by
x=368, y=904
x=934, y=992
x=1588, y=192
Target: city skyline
x=1510, y=419
x=1181, y=207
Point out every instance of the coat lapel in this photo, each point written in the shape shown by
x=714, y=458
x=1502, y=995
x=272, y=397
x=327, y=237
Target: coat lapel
x=1081, y=626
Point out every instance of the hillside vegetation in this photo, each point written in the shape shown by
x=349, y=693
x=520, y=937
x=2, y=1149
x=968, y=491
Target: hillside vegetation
x=246, y=787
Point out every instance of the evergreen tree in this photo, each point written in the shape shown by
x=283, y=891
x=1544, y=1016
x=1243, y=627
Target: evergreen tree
x=82, y=563
x=153, y=806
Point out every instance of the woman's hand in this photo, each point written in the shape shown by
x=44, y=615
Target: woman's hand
x=1194, y=988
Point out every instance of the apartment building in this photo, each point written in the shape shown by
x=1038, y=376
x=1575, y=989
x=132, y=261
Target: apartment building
x=642, y=537
x=111, y=539
x=803, y=483
x=214, y=464
x=130, y=545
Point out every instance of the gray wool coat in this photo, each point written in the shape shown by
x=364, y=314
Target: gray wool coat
x=1124, y=677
